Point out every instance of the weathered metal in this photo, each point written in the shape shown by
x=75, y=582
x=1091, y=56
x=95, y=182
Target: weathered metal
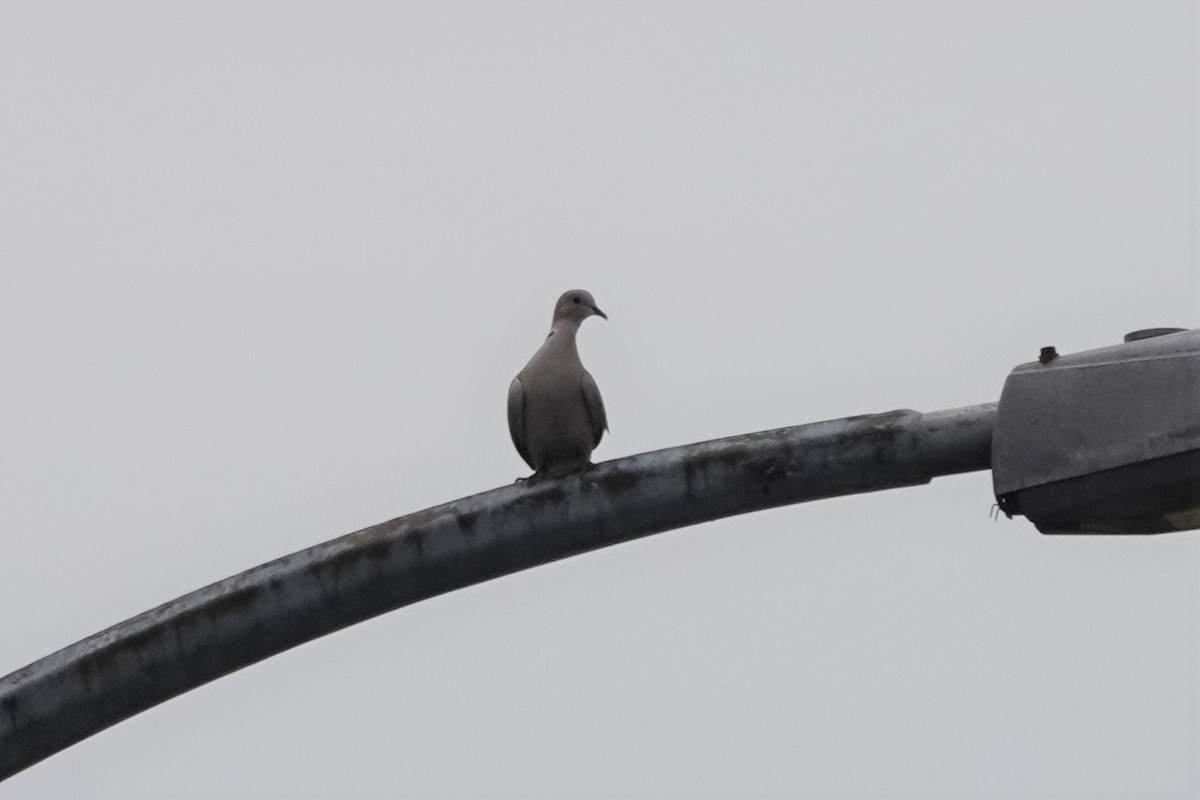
x=82, y=689
x=1106, y=440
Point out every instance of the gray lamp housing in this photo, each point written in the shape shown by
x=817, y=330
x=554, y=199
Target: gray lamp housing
x=1104, y=441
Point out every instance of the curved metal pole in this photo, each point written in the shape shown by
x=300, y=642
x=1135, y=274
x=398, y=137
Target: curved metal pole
x=82, y=689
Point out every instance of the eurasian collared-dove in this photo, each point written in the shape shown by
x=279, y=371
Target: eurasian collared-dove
x=555, y=413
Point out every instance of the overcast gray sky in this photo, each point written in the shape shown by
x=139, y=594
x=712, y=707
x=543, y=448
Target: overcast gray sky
x=268, y=269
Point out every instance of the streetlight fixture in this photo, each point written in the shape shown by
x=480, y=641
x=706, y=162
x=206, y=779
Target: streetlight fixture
x=1104, y=441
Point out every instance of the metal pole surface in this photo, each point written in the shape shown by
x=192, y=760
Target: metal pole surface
x=130, y=667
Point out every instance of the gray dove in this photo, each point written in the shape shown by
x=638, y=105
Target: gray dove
x=555, y=413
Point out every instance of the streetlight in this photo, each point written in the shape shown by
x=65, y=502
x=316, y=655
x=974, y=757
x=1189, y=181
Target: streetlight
x=1104, y=441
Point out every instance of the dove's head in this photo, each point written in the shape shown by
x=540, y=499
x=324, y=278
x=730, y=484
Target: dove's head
x=576, y=305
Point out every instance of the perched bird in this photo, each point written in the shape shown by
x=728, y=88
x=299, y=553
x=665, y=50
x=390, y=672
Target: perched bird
x=555, y=413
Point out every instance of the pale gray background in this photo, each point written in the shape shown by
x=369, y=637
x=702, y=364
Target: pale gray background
x=268, y=269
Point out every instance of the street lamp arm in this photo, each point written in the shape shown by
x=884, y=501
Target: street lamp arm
x=130, y=667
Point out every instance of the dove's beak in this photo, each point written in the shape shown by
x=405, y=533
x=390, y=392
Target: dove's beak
x=599, y=313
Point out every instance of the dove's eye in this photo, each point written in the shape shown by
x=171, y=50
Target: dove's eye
x=575, y=299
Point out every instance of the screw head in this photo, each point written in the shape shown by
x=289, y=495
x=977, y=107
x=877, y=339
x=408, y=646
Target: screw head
x=1048, y=354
